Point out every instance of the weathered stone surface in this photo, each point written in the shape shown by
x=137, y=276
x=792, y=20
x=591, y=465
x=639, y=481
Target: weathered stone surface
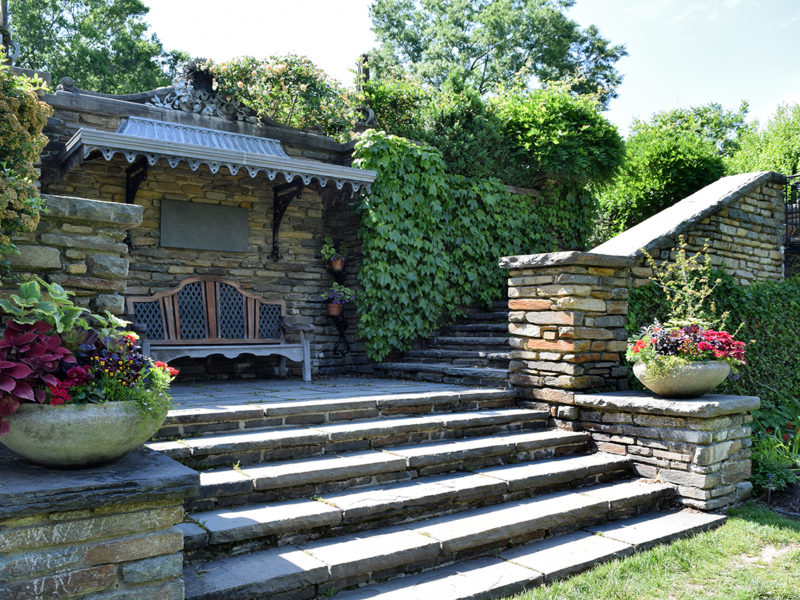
x=109, y=267
x=649, y=530
x=143, y=475
x=710, y=405
x=135, y=547
x=110, y=214
x=61, y=585
x=566, y=554
x=153, y=569
x=113, y=303
x=35, y=258
x=552, y=259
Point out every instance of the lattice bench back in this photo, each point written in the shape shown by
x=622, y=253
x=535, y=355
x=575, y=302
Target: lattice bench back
x=208, y=310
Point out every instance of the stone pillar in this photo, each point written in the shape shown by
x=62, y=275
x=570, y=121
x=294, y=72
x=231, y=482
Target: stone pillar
x=79, y=244
x=567, y=326
x=108, y=533
x=701, y=446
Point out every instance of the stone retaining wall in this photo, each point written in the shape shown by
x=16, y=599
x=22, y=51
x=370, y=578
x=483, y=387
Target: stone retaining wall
x=107, y=533
x=701, y=446
x=79, y=245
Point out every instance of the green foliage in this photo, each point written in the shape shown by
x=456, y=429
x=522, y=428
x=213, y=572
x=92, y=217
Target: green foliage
x=22, y=118
x=54, y=306
x=662, y=165
x=287, y=89
x=488, y=43
x=102, y=44
x=331, y=250
x=775, y=466
x=431, y=241
x=775, y=148
x=769, y=314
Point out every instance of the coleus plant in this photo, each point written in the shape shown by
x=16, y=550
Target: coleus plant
x=29, y=355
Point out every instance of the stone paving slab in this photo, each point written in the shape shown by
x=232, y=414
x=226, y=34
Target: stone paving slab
x=513, y=519
x=710, y=405
x=629, y=493
x=651, y=529
x=233, y=525
x=323, y=469
x=566, y=554
x=428, y=492
x=257, y=574
x=353, y=555
x=555, y=471
x=238, y=442
x=479, y=579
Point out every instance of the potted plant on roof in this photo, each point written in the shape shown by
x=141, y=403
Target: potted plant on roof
x=334, y=254
x=690, y=353
x=75, y=388
x=336, y=297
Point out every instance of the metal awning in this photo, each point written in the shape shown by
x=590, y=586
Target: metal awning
x=154, y=140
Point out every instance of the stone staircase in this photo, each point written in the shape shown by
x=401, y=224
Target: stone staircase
x=450, y=495
x=472, y=351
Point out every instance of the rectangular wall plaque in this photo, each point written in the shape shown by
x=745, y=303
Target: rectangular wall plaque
x=203, y=226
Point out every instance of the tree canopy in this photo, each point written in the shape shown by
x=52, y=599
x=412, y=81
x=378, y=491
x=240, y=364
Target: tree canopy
x=776, y=147
x=102, y=44
x=489, y=43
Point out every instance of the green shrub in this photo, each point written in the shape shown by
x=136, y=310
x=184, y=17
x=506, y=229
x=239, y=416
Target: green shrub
x=22, y=118
x=775, y=148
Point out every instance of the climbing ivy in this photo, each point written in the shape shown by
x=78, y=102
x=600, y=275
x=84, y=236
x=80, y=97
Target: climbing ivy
x=431, y=240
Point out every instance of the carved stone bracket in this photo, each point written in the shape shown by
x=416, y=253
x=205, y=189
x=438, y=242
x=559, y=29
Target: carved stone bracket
x=282, y=198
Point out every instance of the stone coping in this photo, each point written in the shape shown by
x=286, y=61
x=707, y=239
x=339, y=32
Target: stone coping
x=142, y=476
x=111, y=214
x=661, y=229
x=708, y=406
x=551, y=259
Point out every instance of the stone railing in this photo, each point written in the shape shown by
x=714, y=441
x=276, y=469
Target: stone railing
x=106, y=532
x=79, y=245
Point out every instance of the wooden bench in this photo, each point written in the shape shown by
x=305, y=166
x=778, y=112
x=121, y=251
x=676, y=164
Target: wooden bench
x=211, y=315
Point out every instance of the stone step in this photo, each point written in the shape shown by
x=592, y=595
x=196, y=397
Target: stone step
x=491, y=316
x=336, y=513
x=322, y=567
x=469, y=329
x=230, y=417
x=445, y=372
x=540, y=562
x=477, y=358
x=314, y=476
x=247, y=448
x=487, y=343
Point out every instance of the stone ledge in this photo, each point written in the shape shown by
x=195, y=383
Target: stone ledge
x=142, y=476
x=551, y=259
x=112, y=214
x=710, y=405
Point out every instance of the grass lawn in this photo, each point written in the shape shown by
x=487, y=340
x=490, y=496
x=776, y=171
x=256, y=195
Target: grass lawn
x=755, y=555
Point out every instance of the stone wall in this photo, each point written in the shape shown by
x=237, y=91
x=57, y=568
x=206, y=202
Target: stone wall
x=107, y=533
x=701, y=446
x=79, y=245
x=300, y=277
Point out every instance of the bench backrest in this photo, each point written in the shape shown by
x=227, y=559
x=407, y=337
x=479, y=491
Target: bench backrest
x=208, y=310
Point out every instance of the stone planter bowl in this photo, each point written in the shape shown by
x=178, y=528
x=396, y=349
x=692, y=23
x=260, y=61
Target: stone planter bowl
x=74, y=436
x=687, y=381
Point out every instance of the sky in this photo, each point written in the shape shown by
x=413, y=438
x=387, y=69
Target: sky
x=680, y=52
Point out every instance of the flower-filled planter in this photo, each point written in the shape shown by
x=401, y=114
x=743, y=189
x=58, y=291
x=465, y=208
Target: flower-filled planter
x=336, y=297
x=334, y=254
x=75, y=388
x=684, y=362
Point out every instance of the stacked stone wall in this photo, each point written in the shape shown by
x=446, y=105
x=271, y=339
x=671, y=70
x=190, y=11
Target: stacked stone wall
x=79, y=245
x=107, y=533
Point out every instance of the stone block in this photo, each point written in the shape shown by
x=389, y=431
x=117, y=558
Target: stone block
x=135, y=547
x=35, y=258
x=525, y=330
x=557, y=345
x=62, y=585
x=529, y=304
x=109, y=267
x=551, y=317
x=153, y=569
x=113, y=303
x=572, y=303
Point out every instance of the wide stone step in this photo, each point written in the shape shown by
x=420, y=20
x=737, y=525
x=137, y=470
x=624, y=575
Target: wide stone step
x=448, y=342
x=539, y=562
x=246, y=415
x=315, y=476
x=445, y=372
x=471, y=358
x=277, y=444
x=493, y=316
x=500, y=328
x=336, y=513
x=319, y=568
